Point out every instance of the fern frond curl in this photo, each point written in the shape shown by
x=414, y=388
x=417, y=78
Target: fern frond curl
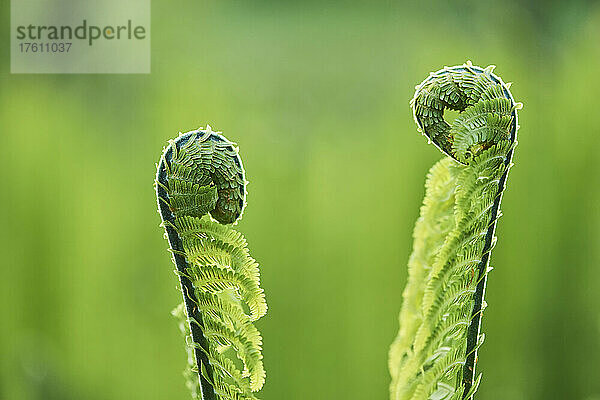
x=201, y=190
x=435, y=351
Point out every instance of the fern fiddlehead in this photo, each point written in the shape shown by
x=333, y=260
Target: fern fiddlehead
x=435, y=351
x=200, y=175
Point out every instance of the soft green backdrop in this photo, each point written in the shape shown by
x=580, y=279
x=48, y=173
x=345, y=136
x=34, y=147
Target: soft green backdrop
x=317, y=97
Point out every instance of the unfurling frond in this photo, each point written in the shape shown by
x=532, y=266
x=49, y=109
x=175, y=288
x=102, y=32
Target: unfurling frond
x=201, y=175
x=435, y=351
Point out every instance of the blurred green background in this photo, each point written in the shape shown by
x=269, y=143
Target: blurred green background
x=316, y=95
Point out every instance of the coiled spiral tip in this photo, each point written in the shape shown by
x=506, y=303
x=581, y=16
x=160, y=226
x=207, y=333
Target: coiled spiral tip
x=488, y=112
x=203, y=173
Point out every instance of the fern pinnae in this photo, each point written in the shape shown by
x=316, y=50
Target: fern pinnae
x=434, y=354
x=201, y=190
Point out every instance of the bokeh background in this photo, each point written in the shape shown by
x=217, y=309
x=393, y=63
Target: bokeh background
x=316, y=95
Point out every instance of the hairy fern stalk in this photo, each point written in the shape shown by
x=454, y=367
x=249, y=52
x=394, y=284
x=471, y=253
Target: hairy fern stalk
x=201, y=191
x=435, y=351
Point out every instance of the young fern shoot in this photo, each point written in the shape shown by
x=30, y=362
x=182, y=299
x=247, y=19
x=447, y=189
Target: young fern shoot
x=201, y=191
x=435, y=351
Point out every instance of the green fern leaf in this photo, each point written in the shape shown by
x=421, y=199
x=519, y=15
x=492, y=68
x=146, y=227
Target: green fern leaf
x=435, y=351
x=200, y=173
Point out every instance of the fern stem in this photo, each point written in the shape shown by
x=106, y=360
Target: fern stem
x=168, y=220
x=474, y=329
